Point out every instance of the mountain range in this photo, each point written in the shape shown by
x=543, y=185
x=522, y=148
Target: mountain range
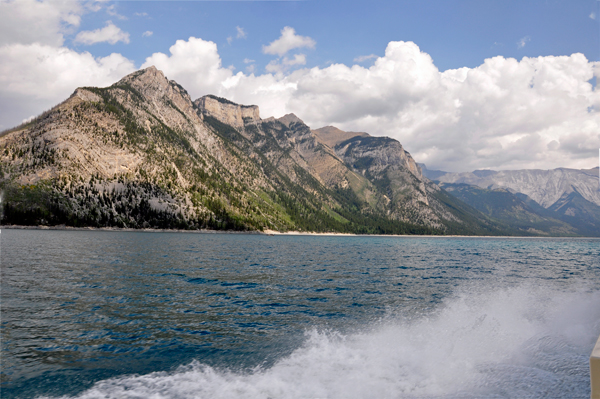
x=556, y=201
x=142, y=154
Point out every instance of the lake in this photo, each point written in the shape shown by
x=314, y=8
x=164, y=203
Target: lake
x=116, y=314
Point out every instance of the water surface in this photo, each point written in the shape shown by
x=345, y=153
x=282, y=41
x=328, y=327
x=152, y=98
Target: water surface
x=98, y=314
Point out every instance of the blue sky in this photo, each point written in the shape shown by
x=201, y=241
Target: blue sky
x=462, y=85
x=454, y=33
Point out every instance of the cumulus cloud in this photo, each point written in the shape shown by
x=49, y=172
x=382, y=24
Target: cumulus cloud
x=195, y=64
x=280, y=66
x=250, y=69
x=148, y=33
x=36, y=71
x=523, y=41
x=110, y=33
x=288, y=40
x=44, y=22
x=35, y=77
x=534, y=113
x=364, y=58
x=504, y=114
x=593, y=15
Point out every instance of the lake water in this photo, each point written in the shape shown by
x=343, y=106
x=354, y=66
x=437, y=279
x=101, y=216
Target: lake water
x=99, y=314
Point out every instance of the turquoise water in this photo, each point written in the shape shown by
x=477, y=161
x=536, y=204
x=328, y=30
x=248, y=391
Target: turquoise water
x=98, y=314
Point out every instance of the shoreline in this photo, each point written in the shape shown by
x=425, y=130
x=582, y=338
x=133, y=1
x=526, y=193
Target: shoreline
x=263, y=233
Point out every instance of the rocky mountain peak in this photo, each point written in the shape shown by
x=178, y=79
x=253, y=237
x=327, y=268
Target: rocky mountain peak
x=288, y=119
x=228, y=112
x=152, y=84
x=333, y=136
x=369, y=153
x=149, y=77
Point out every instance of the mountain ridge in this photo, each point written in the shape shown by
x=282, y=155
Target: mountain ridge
x=141, y=153
x=543, y=186
x=562, y=195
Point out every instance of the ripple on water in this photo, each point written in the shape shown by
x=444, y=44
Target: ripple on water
x=191, y=315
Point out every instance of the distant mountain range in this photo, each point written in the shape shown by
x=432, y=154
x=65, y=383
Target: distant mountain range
x=558, y=201
x=142, y=154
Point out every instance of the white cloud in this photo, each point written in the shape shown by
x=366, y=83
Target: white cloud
x=364, y=58
x=241, y=33
x=43, y=72
x=288, y=41
x=523, y=41
x=274, y=66
x=534, y=113
x=299, y=59
x=110, y=34
x=44, y=22
x=505, y=113
x=195, y=64
x=248, y=61
x=35, y=77
x=32, y=117
x=112, y=11
x=140, y=14
x=148, y=33
x=279, y=66
x=36, y=72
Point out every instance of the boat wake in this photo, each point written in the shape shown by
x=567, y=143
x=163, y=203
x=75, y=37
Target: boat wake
x=520, y=342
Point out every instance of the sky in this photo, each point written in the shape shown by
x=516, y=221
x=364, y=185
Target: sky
x=463, y=85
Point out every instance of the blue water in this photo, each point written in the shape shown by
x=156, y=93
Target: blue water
x=98, y=314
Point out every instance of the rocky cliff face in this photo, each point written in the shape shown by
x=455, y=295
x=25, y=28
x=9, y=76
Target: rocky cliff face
x=384, y=162
x=376, y=170
x=228, y=112
x=375, y=154
x=332, y=136
x=321, y=161
x=141, y=153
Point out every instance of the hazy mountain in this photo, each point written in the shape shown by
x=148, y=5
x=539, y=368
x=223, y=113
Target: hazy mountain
x=543, y=186
x=141, y=153
x=519, y=212
x=570, y=196
x=431, y=173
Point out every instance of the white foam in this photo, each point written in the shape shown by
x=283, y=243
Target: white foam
x=518, y=342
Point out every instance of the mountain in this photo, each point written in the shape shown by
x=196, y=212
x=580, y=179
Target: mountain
x=574, y=209
x=567, y=196
x=431, y=173
x=142, y=154
x=543, y=186
x=518, y=211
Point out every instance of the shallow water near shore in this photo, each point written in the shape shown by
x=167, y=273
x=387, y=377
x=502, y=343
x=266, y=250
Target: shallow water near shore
x=97, y=314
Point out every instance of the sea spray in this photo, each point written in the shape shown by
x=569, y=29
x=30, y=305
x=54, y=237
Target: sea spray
x=524, y=341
